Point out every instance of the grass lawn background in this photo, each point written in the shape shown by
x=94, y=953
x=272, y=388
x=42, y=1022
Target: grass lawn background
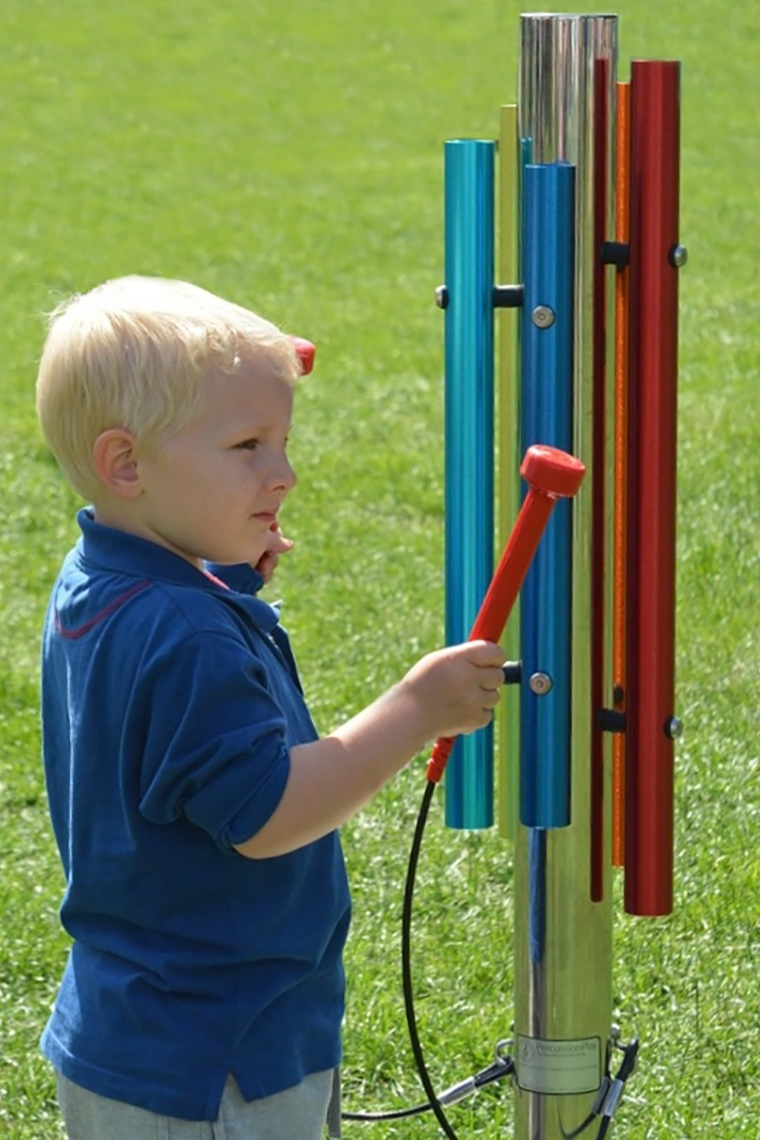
x=289, y=155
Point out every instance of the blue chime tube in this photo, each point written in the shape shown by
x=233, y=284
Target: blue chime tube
x=469, y=431
x=548, y=238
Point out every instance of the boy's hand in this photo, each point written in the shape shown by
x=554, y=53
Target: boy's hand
x=447, y=693
x=457, y=689
x=277, y=544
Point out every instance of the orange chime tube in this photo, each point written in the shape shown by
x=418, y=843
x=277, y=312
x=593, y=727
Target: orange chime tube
x=655, y=256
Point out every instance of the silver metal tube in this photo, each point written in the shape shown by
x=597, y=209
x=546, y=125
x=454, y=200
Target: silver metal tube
x=563, y=939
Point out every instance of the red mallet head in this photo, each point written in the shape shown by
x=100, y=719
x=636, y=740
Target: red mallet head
x=552, y=472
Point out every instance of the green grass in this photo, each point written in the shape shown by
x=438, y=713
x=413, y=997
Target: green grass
x=289, y=155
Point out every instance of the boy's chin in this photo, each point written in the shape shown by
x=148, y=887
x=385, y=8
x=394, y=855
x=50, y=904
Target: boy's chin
x=250, y=557
x=231, y=561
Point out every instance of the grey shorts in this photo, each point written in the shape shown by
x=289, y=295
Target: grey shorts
x=296, y=1114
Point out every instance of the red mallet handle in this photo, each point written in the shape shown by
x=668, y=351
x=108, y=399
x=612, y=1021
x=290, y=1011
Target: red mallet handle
x=551, y=474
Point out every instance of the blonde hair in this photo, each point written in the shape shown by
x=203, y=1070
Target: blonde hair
x=136, y=353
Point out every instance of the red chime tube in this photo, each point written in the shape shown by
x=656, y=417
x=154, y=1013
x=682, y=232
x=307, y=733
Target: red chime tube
x=620, y=529
x=655, y=255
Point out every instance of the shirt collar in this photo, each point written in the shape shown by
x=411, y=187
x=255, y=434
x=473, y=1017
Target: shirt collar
x=125, y=553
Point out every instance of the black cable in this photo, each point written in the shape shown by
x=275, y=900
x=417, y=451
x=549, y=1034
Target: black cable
x=393, y=1114
x=581, y=1128
x=501, y=1067
x=406, y=928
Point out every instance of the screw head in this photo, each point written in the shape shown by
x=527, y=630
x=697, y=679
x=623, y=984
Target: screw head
x=673, y=727
x=540, y=684
x=678, y=256
x=543, y=316
x=442, y=297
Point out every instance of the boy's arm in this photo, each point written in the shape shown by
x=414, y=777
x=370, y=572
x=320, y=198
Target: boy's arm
x=447, y=693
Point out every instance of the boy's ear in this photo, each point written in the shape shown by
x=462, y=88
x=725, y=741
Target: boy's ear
x=115, y=461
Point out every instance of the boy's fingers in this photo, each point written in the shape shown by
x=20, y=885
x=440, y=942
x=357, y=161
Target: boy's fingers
x=491, y=679
x=486, y=653
x=279, y=544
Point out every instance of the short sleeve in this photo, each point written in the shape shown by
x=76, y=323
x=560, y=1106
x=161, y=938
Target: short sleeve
x=215, y=740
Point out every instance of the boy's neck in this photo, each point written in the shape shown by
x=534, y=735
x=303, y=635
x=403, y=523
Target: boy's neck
x=114, y=515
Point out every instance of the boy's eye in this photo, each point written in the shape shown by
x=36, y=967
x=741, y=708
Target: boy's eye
x=247, y=444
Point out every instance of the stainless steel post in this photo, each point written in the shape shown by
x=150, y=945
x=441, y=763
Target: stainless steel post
x=563, y=915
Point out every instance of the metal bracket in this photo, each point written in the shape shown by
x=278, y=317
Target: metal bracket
x=508, y=296
x=617, y=253
x=610, y=720
x=503, y=296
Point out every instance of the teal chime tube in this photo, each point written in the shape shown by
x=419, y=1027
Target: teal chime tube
x=469, y=387
x=547, y=417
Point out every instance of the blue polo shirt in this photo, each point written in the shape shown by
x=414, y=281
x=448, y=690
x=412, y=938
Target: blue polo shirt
x=169, y=705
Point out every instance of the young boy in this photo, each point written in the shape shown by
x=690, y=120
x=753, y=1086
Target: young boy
x=194, y=805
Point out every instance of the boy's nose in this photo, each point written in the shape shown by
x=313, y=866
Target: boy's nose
x=285, y=476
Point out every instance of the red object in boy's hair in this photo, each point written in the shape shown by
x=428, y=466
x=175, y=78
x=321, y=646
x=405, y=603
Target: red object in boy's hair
x=306, y=352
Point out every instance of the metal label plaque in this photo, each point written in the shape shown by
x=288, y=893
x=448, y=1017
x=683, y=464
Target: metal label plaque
x=559, y=1068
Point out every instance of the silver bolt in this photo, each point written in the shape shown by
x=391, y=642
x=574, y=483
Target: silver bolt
x=441, y=296
x=543, y=316
x=678, y=256
x=540, y=684
x=673, y=727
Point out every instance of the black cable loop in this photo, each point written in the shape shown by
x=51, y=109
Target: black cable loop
x=500, y=1068
x=406, y=967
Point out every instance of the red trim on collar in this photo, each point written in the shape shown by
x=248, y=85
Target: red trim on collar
x=217, y=581
x=80, y=631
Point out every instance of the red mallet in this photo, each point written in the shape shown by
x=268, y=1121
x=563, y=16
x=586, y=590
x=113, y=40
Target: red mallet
x=551, y=474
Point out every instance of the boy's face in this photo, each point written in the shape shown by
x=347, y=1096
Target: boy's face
x=216, y=487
